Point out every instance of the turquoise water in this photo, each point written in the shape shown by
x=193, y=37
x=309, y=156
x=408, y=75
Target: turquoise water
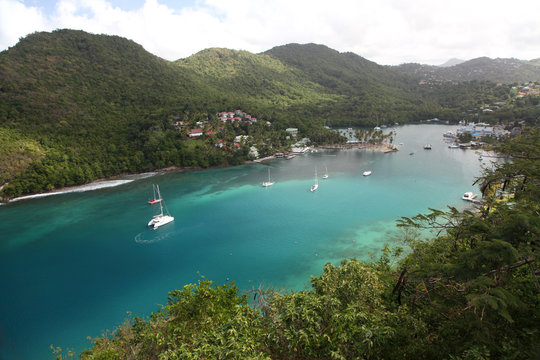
x=73, y=265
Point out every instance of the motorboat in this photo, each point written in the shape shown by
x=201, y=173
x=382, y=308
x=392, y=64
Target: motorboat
x=427, y=147
x=453, y=146
x=366, y=173
x=469, y=196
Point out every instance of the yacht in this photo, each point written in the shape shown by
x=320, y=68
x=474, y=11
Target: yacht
x=315, y=186
x=161, y=218
x=325, y=176
x=268, y=183
x=155, y=199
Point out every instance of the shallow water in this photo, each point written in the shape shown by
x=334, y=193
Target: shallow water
x=72, y=265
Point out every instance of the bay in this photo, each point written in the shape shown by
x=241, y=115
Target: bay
x=73, y=265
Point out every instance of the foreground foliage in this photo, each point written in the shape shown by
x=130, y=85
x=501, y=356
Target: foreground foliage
x=469, y=292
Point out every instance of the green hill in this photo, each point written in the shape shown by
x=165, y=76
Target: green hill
x=259, y=82
x=75, y=107
x=507, y=71
x=368, y=92
x=97, y=105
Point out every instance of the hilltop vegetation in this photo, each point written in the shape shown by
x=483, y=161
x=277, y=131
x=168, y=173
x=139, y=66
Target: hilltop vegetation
x=75, y=107
x=507, y=71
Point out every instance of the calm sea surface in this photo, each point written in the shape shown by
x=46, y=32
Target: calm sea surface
x=73, y=265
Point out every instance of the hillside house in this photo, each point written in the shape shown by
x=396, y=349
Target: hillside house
x=292, y=131
x=254, y=152
x=195, y=132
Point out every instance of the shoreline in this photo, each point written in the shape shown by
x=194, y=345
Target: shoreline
x=362, y=146
x=125, y=178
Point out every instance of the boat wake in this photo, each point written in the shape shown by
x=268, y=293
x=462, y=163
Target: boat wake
x=150, y=237
x=88, y=187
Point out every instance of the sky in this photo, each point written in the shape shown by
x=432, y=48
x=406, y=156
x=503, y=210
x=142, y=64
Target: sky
x=388, y=32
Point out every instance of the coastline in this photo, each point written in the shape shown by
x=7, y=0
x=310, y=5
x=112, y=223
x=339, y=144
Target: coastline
x=125, y=178
x=362, y=146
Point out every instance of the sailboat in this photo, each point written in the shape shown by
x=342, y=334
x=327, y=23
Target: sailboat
x=325, y=176
x=316, y=185
x=161, y=218
x=268, y=183
x=155, y=199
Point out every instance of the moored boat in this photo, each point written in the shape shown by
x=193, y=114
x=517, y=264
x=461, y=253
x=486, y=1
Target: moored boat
x=268, y=183
x=469, y=196
x=315, y=186
x=161, y=218
x=155, y=199
x=325, y=176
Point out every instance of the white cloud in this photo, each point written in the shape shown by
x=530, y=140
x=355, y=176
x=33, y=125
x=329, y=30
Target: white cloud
x=18, y=20
x=384, y=31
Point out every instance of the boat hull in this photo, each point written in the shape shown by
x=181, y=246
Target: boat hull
x=469, y=196
x=160, y=220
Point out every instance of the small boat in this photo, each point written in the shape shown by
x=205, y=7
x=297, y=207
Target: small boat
x=469, y=196
x=268, y=183
x=316, y=185
x=411, y=153
x=161, y=218
x=366, y=173
x=427, y=147
x=155, y=199
x=325, y=176
x=453, y=146
x=480, y=158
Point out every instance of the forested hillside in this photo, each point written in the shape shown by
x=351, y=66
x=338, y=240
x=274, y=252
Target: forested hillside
x=75, y=107
x=507, y=71
x=370, y=92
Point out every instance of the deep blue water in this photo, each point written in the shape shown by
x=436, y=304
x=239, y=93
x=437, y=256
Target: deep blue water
x=73, y=265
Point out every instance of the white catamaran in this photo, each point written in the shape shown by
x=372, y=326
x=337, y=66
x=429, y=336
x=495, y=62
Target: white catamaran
x=161, y=218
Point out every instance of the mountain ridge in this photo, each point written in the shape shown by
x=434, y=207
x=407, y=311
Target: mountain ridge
x=504, y=70
x=89, y=106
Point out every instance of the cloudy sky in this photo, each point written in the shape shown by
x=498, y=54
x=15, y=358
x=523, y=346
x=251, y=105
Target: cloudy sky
x=389, y=32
